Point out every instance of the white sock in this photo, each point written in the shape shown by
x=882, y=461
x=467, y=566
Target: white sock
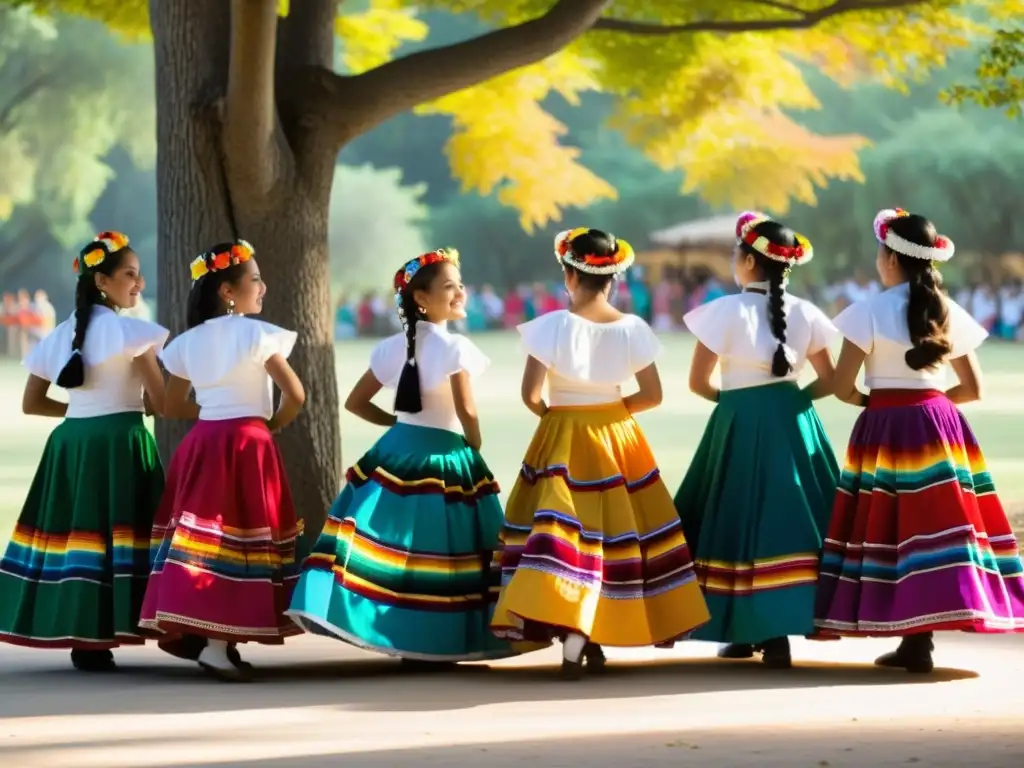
x=215, y=654
x=572, y=646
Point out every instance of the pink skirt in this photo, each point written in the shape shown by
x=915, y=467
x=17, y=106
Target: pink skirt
x=225, y=535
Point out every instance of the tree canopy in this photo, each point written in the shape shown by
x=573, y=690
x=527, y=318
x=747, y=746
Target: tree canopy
x=68, y=96
x=703, y=87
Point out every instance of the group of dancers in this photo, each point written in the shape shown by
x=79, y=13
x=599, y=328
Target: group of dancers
x=765, y=539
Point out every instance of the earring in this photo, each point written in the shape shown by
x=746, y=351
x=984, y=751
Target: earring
x=231, y=307
x=103, y=296
x=422, y=310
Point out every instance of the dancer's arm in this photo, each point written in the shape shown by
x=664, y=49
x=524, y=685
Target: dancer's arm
x=823, y=365
x=148, y=369
x=176, y=401
x=851, y=358
x=968, y=371
x=701, y=367
x=533, y=386
x=649, y=395
x=360, y=401
x=465, y=408
x=293, y=396
x=36, y=400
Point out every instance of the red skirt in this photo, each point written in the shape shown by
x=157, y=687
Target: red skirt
x=225, y=534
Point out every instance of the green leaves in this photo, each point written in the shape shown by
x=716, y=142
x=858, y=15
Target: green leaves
x=999, y=77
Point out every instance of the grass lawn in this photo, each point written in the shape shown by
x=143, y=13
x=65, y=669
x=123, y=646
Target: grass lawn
x=673, y=430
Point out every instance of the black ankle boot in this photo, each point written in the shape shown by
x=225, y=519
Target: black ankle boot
x=736, y=651
x=775, y=653
x=594, y=657
x=92, y=661
x=914, y=654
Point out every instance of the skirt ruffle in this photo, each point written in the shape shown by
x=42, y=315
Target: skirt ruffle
x=755, y=505
x=919, y=541
x=592, y=543
x=75, y=571
x=226, y=535
x=405, y=564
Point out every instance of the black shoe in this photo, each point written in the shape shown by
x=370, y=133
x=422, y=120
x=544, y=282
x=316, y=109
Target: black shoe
x=594, y=657
x=572, y=670
x=775, y=653
x=92, y=661
x=737, y=651
x=422, y=665
x=914, y=654
x=235, y=658
x=233, y=675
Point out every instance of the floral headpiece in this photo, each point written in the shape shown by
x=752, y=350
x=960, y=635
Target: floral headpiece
x=791, y=256
x=612, y=264
x=97, y=251
x=408, y=271
x=215, y=261
x=943, y=249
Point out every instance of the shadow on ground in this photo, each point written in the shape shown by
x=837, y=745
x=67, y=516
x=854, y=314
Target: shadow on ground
x=149, y=689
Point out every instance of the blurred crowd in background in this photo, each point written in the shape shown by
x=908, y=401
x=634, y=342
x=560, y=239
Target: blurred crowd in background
x=28, y=316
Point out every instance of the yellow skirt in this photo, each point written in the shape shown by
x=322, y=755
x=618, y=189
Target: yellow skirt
x=592, y=542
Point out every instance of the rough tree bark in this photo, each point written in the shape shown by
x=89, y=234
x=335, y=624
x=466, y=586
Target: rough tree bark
x=251, y=118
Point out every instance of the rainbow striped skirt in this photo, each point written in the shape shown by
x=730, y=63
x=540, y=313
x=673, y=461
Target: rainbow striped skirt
x=592, y=543
x=919, y=541
x=755, y=505
x=75, y=571
x=405, y=563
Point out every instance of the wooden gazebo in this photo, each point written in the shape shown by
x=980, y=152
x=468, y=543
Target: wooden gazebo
x=704, y=243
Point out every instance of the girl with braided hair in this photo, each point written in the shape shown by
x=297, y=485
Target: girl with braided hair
x=75, y=570
x=593, y=553
x=919, y=541
x=226, y=528
x=404, y=565
x=756, y=500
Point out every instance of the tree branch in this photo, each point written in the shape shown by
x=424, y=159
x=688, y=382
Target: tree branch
x=26, y=92
x=354, y=105
x=255, y=149
x=800, y=19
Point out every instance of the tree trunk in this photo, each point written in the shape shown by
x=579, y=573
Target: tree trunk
x=198, y=206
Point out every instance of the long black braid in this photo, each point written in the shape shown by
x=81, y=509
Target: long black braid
x=87, y=296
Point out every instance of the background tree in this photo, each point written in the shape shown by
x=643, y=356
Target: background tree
x=69, y=94
x=251, y=116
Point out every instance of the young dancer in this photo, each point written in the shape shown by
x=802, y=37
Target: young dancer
x=919, y=541
x=404, y=563
x=757, y=498
x=226, y=526
x=75, y=571
x=593, y=551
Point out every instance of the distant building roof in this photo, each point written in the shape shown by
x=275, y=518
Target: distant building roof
x=716, y=230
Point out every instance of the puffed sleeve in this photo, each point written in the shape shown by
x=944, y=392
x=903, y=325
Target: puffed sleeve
x=965, y=333
x=140, y=336
x=539, y=337
x=269, y=340
x=464, y=355
x=711, y=322
x=823, y=331
x=644, y=346
x=172, y=357
x=46, y=358
x=387, y=360
x=856, y=325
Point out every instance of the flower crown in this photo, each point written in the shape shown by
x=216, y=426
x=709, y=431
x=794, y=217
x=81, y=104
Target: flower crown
x=943, y=249
x=215, y=261
x=791, y=256
x=612, y=264
x=97, y=251
x=408, y=271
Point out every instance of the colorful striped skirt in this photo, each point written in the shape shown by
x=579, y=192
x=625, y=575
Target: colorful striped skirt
x=226, y=536
x=592, y=543
x=755, y=505
x=75, y=570
x=919, y=541
x=405, y=564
